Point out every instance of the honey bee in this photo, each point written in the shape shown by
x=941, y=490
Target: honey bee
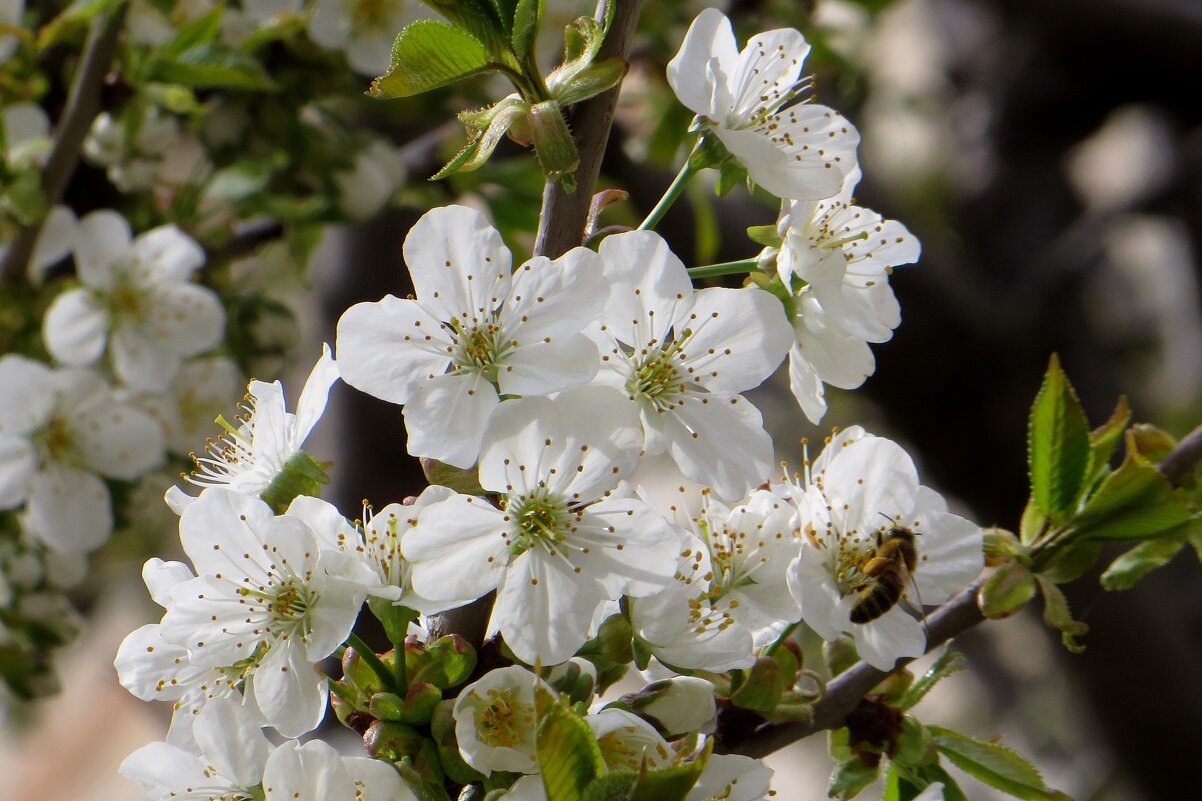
x=886, y=572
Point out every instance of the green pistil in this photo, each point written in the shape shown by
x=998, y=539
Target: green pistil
x=540, y=520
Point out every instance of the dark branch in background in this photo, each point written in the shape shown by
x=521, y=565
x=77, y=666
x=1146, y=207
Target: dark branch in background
x=564, y=214
x=562, y=222
x=83, y=104
x=956, y=616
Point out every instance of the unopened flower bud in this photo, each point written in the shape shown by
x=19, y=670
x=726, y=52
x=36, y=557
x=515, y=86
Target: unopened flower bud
x=576, y=678
x=677, y=705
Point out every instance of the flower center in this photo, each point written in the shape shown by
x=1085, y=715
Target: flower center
x=127, y=300
x=56, y=444
x=658, y=374
x=502, y=721
x=480, y=348
x=539, y=519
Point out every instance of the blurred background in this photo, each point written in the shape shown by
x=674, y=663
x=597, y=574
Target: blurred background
x=1049, y=157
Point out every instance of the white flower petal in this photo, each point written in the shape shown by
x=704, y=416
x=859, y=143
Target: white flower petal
x=166, y=255
x=26, y=394
x=102, y=243
x=719, y=441
x=119, y=440
x=893, y=636
x=446, y=418
x=142, y=362
x=69, y=509
x=740, y=337
x=458, y=549
x=18, y=461
x=710, y=36
x=231, y=740
x=646, y=276
x=187, y=318
x=75, y=328
x=389, y=348
x=314, y=396
x=545, y=367
x=309, y=772
x=543, y=608
x=806, y=386
x=290, y=691
x=458, y=262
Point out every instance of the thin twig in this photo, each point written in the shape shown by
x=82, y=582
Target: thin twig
x=951, y=619
x=83, y=104
x=565, y=214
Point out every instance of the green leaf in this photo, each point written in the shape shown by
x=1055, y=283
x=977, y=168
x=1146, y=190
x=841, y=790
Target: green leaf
x=213, y=66
x=200, y=31
x=1058, y=445
x=1124, y=572
x=592, y=80
x=567, y=752
x=951, y=789
x=1069, y=562
x=1033, y=525
x=477, y=151
x=238, y=181
x=527, y=18
x=850, y=777
x=1136, y=501
x=73, y=17
x=1057, y=615
x=949, y=662
x=994, y=765
x=1006, y=591
x=480, y=19
x=1104, y=439
x=428, y=54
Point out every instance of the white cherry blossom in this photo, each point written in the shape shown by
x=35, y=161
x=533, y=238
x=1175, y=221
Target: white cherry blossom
x=132, y=164
x=272, y=595
x=154, y=669
x=475, y=332
x=838, y=257
x=752, y=101
x=682, y=358
x=731, y=589
x=249, y=458
x=60, y=431
x=136, y=298
x=495, y=721
x=226, y=761
x=858, y=490
x=732, y=777
x=569, y=535
x=315, y=772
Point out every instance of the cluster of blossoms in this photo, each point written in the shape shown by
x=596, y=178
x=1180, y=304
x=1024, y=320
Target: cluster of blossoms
x=541, y=388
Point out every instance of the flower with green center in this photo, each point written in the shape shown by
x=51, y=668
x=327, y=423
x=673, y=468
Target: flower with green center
x=732, y=588
x=475, y=332
x=262, y=455
x=495, y=721
x=836, y=258
x=60, y=431
x=753, y=102
x=682, y=357
x=137, y=298
x=568, y=535
x=852, y=496
x=274, y=595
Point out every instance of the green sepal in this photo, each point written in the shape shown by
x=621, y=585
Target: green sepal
x=444, y=663
x=994, y=765
x=765, y=235
x=1136, y=501
x=497, y=120
x=568, y=755
x=1008, y=590
x=915, y=745
x=428, y=54
x=358, y=676
x=1126, y=571
x=392, y=741
x=302, y=475
x=426, y=784
x=893, y=687
x=591, y=81
x=1001, y=545
x=1058, y=445
x=762, y=687
x=949, y=662
x=851, y=777
x=840, y=654
x=1034, y=523
x=1057, y=615
x=395, y=619
x=611, y=651
x=731, y=173
x=1152, y=443
x=553, y=143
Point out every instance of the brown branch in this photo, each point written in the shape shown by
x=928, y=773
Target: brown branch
x=83, y=104
x=562, y=222
x=956, y=616
x=1181, y=461
x=565, y=214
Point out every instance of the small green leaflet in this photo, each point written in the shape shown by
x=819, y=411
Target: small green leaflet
x=995, y=765
x=428, y=54
x=1058, y=445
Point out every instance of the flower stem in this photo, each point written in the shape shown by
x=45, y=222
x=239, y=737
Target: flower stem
x=725, y=268
x=674, y=191
x=372, y=659
x=784, y=635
